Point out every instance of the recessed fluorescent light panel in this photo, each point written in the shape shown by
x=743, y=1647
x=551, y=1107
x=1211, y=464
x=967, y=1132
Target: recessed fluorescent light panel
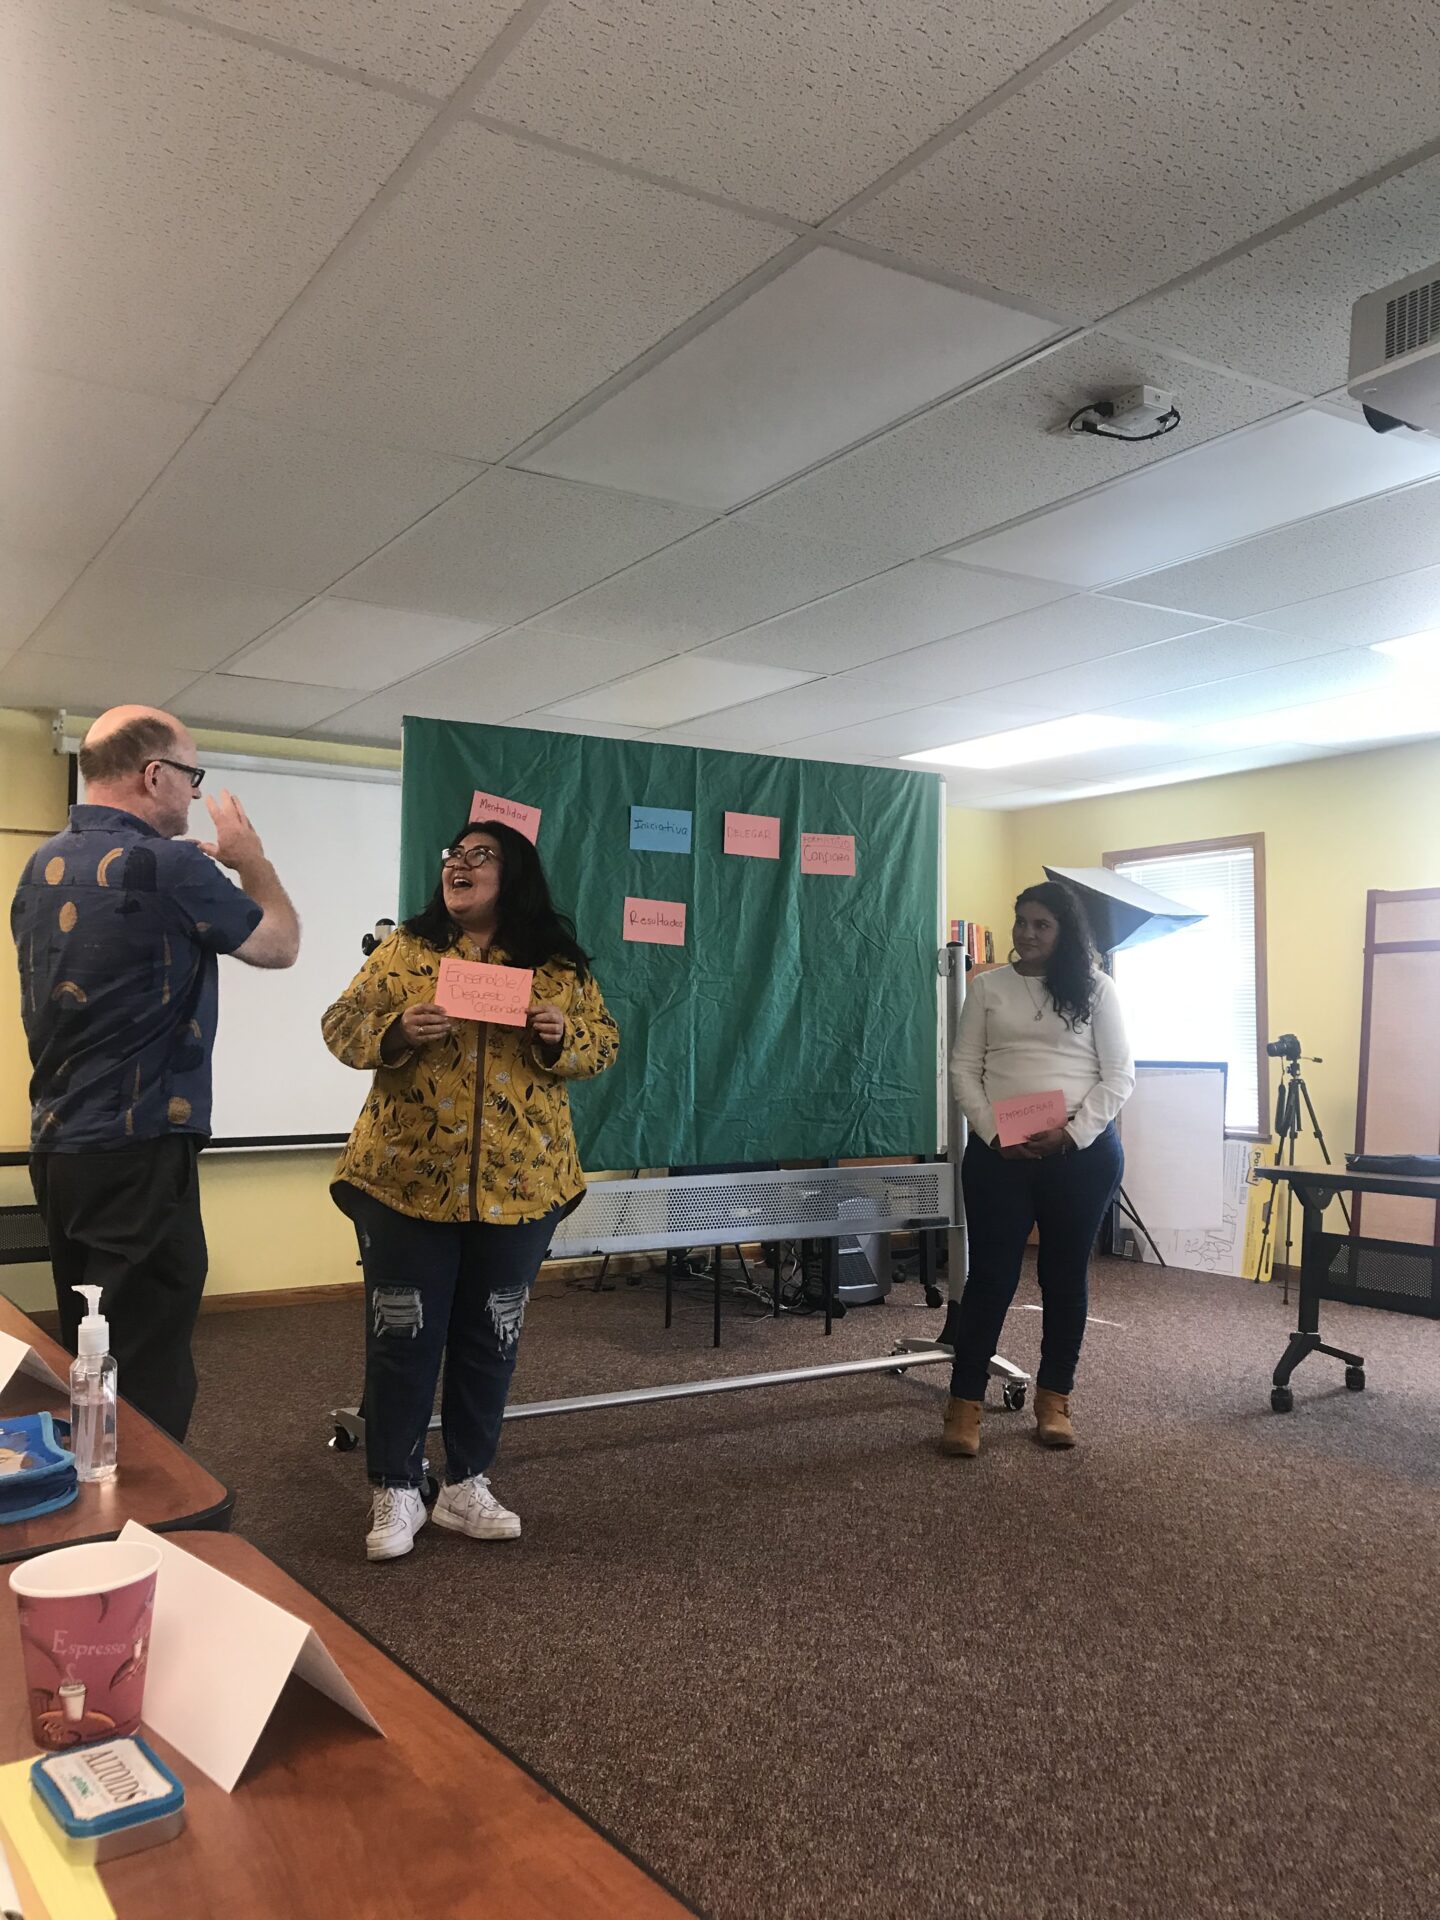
x=677, y=690
x=1050, y=740
x=830, y=351
x=1288, y=468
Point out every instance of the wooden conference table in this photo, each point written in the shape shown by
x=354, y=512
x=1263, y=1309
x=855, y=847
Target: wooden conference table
x=158, y=1483
x=332, y=1822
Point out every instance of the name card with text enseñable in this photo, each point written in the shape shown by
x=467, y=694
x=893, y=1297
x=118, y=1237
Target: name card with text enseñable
x=219, y=1658
x=756, y=835
x=514, y=813
x=661, y=923
x=17, y=1357
x=828, y=853
x=1027, y=1113
x=474, y=990
x=660, y=830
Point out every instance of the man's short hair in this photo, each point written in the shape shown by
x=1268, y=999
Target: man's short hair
x=129, y=749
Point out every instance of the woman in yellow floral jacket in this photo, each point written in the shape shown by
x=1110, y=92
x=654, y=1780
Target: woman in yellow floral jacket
x=458, y=1170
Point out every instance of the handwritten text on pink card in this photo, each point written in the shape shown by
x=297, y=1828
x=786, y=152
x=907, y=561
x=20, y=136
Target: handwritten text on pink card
x=514, y=813
x=755, y=834
x=472, y=990
x=1027, y=1113
x=660, y=922
x=827, y=853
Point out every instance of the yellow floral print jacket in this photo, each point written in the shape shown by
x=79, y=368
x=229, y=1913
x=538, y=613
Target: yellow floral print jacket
x=475, y=1126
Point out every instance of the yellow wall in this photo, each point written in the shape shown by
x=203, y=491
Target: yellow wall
x=977, y=865
x=268, y=1216
x=1333, y=829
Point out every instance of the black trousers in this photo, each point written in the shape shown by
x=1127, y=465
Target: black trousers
x=128, y=1222
x=1066, y=1197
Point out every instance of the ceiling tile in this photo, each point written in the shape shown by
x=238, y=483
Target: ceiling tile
x=512, y=544
x=274, y=706
x=499, y=680
x=1359, y=616
x=77, y=457
x=932, y=726
x=783, y=716
x=273, y=505
x=499, y=286
x=794, y=108
x=149, y=618
x=676, y=691
x=1284, y=469
x=990, y=456
x=167, y=192
x=1180, y=130
x=1369, y=541
x=30, y=584
x=542, y=722
x=827, y=353
x=1282, y=311
x=1007, y=653
x=89, y=686
x=1325, y=677
x=429, y=44
x=724, y=577
x=888, y=614
x=345, y=643
x=1166, y=666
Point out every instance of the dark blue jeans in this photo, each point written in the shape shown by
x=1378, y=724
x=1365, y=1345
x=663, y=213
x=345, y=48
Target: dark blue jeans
x=1066, y=1197
x=434, y=1289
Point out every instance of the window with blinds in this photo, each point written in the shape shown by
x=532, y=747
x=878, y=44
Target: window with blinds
x=1198, y=994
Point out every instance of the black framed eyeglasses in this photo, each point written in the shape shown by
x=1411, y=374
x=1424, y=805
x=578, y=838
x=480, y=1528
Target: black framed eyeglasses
x=195, y=775
x=470, y=856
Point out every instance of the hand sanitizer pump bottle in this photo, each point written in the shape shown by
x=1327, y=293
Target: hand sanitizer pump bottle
x=94, y=1391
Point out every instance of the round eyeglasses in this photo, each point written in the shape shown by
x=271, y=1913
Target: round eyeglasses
x=471, y=856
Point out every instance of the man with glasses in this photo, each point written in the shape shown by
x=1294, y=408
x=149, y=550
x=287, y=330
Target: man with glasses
x=118, y=925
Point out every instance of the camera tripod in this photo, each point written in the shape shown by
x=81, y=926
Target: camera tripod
x=1290, y=1095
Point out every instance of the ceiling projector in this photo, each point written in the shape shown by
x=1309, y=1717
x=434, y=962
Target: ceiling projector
x=1395, y=354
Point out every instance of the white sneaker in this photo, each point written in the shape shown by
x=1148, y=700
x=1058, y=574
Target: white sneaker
x=397, y=1516
x=470, y=1507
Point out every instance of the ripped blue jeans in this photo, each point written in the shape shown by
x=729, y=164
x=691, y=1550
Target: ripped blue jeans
x=435, y=1290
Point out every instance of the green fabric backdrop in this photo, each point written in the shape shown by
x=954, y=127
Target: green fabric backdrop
x=798, y=1021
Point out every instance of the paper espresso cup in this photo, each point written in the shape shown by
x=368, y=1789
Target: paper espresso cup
x=85, y=1616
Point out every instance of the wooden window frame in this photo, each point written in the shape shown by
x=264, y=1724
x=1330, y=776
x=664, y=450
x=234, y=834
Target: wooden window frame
x=1256, y=843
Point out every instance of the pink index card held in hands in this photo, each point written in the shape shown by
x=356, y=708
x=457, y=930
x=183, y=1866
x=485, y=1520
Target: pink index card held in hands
x=828, y=853
x=659, y=922
x=473, y=990
x=755, y=834
x=1027, y=1113
x=514, y=813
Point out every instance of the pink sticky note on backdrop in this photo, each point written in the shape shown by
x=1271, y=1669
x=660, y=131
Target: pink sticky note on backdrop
x=755, y=834
x=473, y=990
x=827, y=853
x=661, y=923
x=1027, y=1113
x=491, y=806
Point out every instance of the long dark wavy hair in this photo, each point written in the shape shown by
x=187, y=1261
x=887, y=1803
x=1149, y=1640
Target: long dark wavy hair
x=529, y=926
x=1070, y=970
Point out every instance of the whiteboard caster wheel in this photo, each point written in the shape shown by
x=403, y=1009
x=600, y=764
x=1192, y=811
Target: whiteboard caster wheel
x=934, y=1297
x=1282, y=1400
x=1013, y=1395
x=343, y=1440
x=1355, y=1379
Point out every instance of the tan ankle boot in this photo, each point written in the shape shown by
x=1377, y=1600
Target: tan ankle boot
x=961, y=1433
x=1052, y=1419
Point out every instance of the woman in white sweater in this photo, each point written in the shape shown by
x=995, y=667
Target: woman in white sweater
x=1050, y=1021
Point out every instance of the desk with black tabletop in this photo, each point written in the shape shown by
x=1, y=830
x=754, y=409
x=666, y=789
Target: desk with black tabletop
x=1399, y=1276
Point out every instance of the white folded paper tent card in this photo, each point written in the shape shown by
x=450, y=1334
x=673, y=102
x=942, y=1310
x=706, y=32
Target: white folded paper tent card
x=219, y=1659
x=17, y=1357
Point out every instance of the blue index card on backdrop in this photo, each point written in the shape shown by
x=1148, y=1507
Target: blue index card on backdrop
x=659, y=830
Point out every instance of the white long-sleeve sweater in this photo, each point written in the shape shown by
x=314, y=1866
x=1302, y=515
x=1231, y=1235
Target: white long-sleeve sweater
x=1001, y=1051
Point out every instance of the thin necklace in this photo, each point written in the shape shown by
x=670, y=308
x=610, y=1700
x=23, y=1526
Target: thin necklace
x=1039, y=1004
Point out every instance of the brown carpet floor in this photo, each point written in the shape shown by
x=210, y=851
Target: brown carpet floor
x=805, y=1666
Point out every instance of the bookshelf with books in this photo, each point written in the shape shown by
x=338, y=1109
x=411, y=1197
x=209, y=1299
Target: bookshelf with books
x=978, y=942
